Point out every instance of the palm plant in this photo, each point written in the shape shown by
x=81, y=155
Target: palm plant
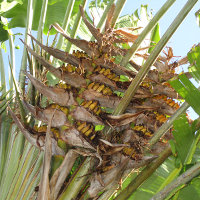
x=73, y=131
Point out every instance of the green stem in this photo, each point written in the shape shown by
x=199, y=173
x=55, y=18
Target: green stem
x=78, y=180
x=40, y=32
x=21, y=107
x=27, y=41
x=65, y=22
x=167, y=125
x=12, y=60
x=103, y=18
x=42, y=20
x=146, y=173
x=39, y=35
x=75, y=27
x=2, y=70
x=31, y=88
x=118, y=9
x=130, y=92
x=182, y=179
x=147, y=29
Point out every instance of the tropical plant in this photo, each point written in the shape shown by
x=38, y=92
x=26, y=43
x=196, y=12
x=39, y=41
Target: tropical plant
x=97, y=108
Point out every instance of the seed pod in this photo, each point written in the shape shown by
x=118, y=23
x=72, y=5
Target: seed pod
x=79, y=54
x=71, y=69
x=168, y=101
x=129, y=152
x=86, y=129
x=76, y=113
x=92, y=106
x=105, y=101
x=142, y=130
x=101, y=88
x=107, y=72
x=160, y=117
x=43, y=129
x=63, y=85
x=62, y=108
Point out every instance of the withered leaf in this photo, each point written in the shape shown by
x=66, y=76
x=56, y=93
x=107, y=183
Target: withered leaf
x=59, y=118
x=74, y=138
x=44, y=190
x=30, y=137
x=61, y=55
x=105, y=101
x=95, y=32
x=58, y=95
x=113, y=145
x=107, y=179
x=118, y=69
x=183, y=61
x=109, y=17
x=113, y=150
x=124, y=119
x=104, y=41
x=128, y=36
x=82, y=114
x=163, y=106
x=73, y=79
x=35, y=140
x=82, y=44
x=85, y=152
x=61, y=173
x=161, y=89
x=103, y=79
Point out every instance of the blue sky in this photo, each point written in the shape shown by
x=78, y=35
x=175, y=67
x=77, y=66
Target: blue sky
x=187, y=34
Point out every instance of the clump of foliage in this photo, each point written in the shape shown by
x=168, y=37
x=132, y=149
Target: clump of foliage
x=104, y=116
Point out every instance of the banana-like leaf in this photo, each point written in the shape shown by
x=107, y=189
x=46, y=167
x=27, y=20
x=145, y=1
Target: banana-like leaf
x=191, y=188
x=193, y=58
x=184, y=86
x=55, y=13
x=155, y=37
x=188, y=91
x=3, y=32
x=185, y=139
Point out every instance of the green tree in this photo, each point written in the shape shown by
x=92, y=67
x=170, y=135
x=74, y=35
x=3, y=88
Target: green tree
x=62, y=172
